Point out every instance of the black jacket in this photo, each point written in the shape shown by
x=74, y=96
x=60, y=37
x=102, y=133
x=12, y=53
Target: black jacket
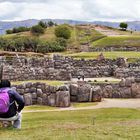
x=16, y=106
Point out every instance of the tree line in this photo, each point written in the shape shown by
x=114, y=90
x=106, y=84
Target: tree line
x=32, y=44
x=39, y=28
x=35, y=44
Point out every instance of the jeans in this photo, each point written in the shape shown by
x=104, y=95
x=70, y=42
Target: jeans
x=15, y=119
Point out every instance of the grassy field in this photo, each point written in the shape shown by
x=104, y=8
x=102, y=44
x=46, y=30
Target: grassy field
x=100, y=124
x=49, y=82
x=117, y=41
x=78, y=105
x=111, y=55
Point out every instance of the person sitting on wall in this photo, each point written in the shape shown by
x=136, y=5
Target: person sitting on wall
x=11, y=104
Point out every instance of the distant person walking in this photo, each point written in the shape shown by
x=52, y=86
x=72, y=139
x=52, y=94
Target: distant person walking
x=11, y=104
x=79, y=77
x=83, y=77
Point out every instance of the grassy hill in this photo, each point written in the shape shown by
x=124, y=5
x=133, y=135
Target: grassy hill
x=80, y=34
x=117, y=41
x=89, y=36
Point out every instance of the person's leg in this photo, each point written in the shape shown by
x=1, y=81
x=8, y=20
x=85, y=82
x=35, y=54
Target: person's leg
x=17, y=122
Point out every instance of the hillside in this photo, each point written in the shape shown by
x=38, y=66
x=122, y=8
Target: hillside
x=86, y=36
x=5, y=25
x=80, y=35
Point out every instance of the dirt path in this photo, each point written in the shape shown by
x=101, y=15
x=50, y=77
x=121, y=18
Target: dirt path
x=106, y=103
x=109, y=32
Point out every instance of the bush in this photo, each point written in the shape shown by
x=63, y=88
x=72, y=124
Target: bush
x=63, y=31
x=34, y=44
x=50, y=46
x=9, y=31
x=37, y=29
x=50, y=23
x=42, y=24
x=17, y=30
x=62, y=42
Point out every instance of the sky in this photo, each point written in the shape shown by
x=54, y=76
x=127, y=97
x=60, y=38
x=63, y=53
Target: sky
x=85, y=10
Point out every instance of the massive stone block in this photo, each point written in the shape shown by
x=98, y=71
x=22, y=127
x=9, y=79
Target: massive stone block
x=52, y=100
x=107, y=91
x=136, y=90
x=97, y=94
x=62, y=99
x=84, y=93
x=73, y=89
x=28, y=99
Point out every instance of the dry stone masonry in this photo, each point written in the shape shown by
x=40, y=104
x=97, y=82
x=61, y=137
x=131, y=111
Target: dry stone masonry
x=62, y=96
x=65, y=68
x=57, y=96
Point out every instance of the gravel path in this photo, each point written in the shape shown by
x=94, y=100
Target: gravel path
x=109, y=32
x=106, y=103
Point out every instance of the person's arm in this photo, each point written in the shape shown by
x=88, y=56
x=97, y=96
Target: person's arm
x=19, y=100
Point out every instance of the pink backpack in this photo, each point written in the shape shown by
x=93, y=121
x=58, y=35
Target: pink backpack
x=4, y=101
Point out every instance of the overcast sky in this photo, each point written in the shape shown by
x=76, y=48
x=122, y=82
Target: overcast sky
x=90, y=10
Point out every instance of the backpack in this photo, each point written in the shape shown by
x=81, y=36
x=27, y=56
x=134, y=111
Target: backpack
x=4, y=101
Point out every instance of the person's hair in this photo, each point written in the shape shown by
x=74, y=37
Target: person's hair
x=5, y=83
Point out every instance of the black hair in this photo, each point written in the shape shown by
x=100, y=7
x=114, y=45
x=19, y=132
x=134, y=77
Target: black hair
x=5, y=83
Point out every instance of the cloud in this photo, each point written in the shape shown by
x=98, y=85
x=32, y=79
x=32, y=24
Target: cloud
x=112, y=9
x=8, y=11
x=22, y=1
x=75, y=9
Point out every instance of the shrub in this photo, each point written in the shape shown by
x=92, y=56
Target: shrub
x=17, y=30
x=106, y=80
x=62, y=42
x=63, y=31
x=95, y=80
x=50, y=23
x=37, y=29
x=9, y=31
x=42, y=24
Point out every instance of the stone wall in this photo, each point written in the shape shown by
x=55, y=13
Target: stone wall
x=62, y=96
x=65, y=68
x=43, y=94
x=127, y=88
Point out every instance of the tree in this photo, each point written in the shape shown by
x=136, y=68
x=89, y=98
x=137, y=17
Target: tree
x=37, y=29
x=63, y=31
x=123, y=26
x=42, y=24
x=50, y=23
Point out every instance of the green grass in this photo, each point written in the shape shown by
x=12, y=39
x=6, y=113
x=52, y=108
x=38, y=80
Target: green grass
x=110, y=55
x=38, y=107
x=100, y=124
x=88, y=104
x=53, y=83
x=117, y=41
